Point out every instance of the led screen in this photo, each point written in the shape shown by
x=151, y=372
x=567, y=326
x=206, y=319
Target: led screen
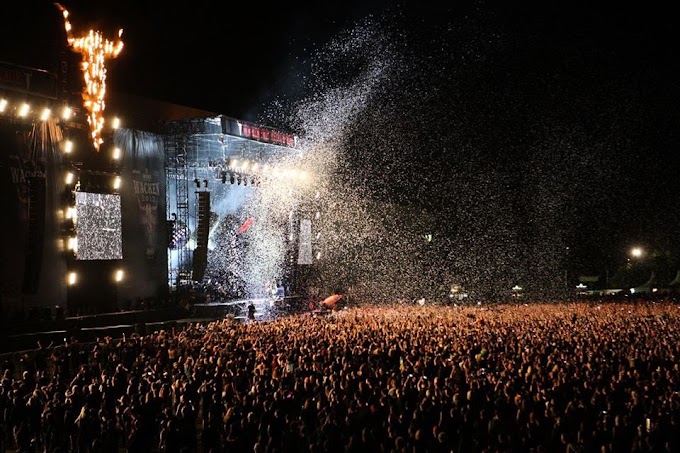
x=98, y=226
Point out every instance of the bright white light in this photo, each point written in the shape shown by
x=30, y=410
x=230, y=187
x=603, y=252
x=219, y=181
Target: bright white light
x=72, y=278
x=71, y=212
x=69, y=178
x=118, y=276
x=318, y=255
x=72, y=244
x=116, y=153
x=3, y=105
x=636, y=252
x=517, y=288
x=24, y=109
x=115, y=123
x=116, y=183
x=632, y=290
x=45, y=115
x=66, y=112
x=68, y=146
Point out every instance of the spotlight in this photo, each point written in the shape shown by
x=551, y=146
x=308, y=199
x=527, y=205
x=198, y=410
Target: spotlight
x=72, y=278
x=23, y=110
x=45, y=115
x=66, y=112
x=118, y=275
x=116, y=153
x=3, y=105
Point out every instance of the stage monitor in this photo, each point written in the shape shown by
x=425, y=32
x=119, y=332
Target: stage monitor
x=98, y=226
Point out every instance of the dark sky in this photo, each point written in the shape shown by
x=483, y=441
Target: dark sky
x=582, y=94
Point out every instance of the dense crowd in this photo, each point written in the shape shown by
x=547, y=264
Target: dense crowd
x=577, y=377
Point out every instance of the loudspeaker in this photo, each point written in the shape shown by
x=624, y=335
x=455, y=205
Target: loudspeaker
x=203, y=219
x=35, y=238
x=200, y=259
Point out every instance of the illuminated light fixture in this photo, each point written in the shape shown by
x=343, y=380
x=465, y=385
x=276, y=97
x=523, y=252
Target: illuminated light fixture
x=72, y=243
x=94, y=50
x=45, y=115
x=71, y=214
x=66, y=112
x=72, y=278
x=3, y=105
x=115, y=123
x=23, y=110
x=517, y=288
x=118, y=275
x=68, y=146
x=116, y=183
x=116, y=153
x=69, y=178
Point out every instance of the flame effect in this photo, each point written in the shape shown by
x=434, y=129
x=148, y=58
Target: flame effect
x=95, y=50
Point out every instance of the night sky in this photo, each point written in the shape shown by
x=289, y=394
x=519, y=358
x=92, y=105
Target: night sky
x=562, y=115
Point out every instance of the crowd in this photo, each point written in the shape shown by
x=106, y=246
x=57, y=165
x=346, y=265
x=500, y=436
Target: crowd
x=577, y=377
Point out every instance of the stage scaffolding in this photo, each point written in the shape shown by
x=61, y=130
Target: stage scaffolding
x=197, y=154
x=177, y=171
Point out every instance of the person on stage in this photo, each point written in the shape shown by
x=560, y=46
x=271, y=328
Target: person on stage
x=251, y=311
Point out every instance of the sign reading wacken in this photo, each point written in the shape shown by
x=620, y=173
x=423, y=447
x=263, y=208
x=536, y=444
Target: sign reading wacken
x=148, y=191
x=21, y=171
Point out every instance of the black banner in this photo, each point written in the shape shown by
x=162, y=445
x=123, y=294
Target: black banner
x=28, y=80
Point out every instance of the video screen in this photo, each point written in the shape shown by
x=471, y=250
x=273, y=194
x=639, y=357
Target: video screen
x=98, y=226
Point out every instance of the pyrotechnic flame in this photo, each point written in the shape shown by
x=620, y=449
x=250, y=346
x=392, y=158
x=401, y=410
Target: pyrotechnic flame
x=95, y=50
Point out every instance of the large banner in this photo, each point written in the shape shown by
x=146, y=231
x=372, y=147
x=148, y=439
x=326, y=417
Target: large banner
x=31, y=269
x=143, y=215
x=147, y=189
